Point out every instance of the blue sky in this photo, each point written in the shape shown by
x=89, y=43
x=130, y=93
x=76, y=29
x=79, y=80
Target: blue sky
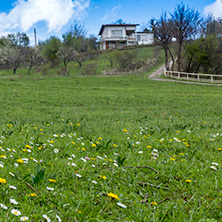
x=53, y=17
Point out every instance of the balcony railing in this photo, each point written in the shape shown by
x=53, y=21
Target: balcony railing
x=118, y=38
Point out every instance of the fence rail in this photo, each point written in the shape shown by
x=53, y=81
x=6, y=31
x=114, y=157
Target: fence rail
x=194, y=76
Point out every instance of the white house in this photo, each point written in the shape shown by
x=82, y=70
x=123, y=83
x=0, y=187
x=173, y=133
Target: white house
x=119, y=35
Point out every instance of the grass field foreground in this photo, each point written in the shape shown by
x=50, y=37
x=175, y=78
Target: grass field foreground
x=120, y=148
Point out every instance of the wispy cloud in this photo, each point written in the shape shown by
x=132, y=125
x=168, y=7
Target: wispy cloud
x=112, y=13
x=56, y=14
x=215, y=9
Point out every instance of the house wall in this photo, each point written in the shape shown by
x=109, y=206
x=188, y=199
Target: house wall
x=144, y=38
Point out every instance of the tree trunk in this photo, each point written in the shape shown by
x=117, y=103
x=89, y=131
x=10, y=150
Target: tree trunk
x=179, y=56
x=30, y=67
x=166, y=56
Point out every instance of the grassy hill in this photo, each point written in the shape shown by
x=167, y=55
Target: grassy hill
x=95, y=63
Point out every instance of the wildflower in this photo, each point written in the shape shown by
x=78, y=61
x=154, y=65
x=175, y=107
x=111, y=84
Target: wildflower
x=3, y=206
x=100, y=138
x=83, y=159
x=149, y=147
x=154, y=203
x=172, y=159
x=28, y=146
x=125, y=130
x=87, y=158
x=140, y=152
x=93, y=145
x=59, y=219
x=215, y=164
x=56, y=150
x=1, y=165
x=52, y=180
x=78, y=175
x=46, y=217
x=112, y=195
x=32, y=195
x=16, y=212
x=220, y=149
x=3, y=180
x=121, y=205
x=3, y=156
x=20, y=161
x=12, y=187
x=79, y=211
x=50, y=188
x=213, y=168
x=204, y=122
x=73, y=142
x=24, y=218
x=13, y=201
x=93, y=181
x=104, y=177
x=188, y=181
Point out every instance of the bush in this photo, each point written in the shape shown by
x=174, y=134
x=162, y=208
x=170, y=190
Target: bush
x=125, y=60
x=89, y=69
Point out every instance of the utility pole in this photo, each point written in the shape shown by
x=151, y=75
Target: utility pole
x=35, y=37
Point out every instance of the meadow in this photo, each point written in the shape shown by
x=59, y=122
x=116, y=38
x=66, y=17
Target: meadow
x=118, y=148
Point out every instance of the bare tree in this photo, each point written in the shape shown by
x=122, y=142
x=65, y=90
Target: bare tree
x=163, y=35
x=66, y=55
x=33, y=57
x=184, y=24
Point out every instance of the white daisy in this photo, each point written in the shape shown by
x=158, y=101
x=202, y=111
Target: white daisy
x=11, y=174
x=46, y=217
x=13, y=201
x=215, y=164
x=73, y=164
x=56, y=150
x=50, y=188
x=84, y=160
x=24, y=218
x=140, y=152
x=12, y=187
x=16, y=212
x=59, y=219
x=213, y=168
x=1, y=165
x=121, y=205
x=93, y=181
x=3, y=206
x=78, y=175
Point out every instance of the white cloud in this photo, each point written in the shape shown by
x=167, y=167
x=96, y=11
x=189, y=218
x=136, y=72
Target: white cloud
x=215, y=9
x=56, y=13
x=111, y=13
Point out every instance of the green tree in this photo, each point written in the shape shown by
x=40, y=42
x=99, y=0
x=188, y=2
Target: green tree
x=50, y=48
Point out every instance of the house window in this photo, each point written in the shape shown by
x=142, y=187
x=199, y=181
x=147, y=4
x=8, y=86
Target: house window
x=138, y=38
x=116, y=33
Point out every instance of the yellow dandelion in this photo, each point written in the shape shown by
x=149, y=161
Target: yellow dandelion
x=219, y=148
x=154, y=203
x=188, y=181
x=20, y=161
x=28, y=146
x=113, y=195
x=52, y=180
x=172, y=159
x=32, y=195
x=3, y=180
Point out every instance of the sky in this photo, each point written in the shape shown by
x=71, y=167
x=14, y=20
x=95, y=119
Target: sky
x=54, y=17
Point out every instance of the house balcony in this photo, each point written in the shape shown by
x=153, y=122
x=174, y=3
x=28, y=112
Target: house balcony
x=118, y=38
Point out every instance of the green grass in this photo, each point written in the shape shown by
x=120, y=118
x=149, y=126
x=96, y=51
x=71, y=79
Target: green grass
x=172, y=127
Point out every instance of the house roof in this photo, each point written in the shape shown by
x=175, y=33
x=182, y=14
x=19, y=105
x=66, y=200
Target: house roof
x=103, y=26
x=145, y=32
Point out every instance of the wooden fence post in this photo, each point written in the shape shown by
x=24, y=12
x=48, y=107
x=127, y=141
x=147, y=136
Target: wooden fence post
x=198, y=76
x=211, y=78
x=187, y=76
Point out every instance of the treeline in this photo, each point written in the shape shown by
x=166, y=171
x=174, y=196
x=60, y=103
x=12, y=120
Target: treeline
x=15, y=50
x=192, y=43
